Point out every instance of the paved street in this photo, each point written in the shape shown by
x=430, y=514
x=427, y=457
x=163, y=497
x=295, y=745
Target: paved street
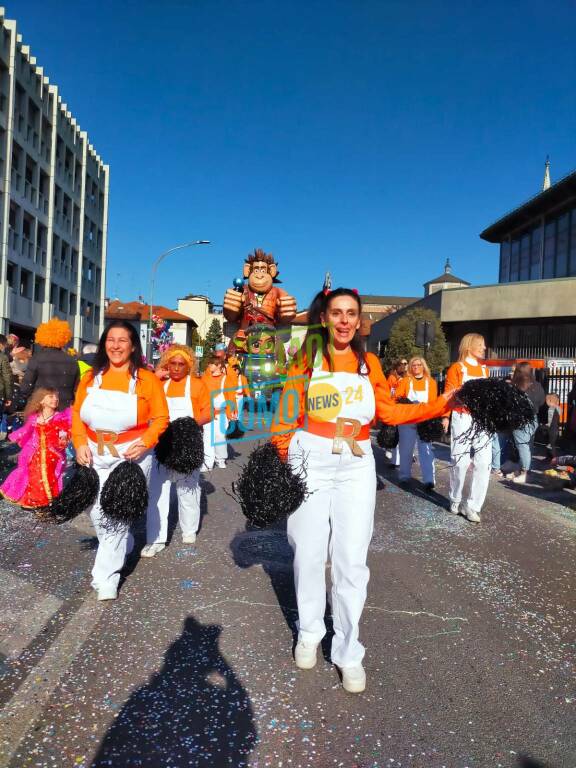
x=470, y=632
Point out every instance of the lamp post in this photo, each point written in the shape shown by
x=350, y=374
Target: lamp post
x=153, y=278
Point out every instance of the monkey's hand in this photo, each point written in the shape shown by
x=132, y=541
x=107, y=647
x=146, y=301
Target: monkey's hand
x=233, y=301
x=286, y=308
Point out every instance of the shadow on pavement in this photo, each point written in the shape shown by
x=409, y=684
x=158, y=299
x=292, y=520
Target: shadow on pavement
x=269, y=547
x=524, y=761
x=193, y=712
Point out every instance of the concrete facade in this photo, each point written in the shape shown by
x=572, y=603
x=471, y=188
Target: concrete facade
x=513, y=301
x=53, y=203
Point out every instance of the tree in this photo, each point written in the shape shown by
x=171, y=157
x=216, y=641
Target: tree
x=213, y=337
x=402, y=341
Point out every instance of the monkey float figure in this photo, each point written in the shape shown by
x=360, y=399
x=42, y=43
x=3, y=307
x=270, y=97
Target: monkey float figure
x=260, y=301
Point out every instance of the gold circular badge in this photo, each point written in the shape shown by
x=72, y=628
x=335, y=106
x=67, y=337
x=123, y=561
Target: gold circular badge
x=324, y=402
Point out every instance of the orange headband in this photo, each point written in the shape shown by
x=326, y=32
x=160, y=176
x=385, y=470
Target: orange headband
x=178, y=351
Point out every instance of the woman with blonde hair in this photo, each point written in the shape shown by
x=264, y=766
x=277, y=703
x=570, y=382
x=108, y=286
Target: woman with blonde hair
x=417, y=387
x=186, y=395
x=469, y=366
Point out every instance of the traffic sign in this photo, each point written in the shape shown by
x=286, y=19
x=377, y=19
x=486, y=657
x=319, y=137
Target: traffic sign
x=199, y=351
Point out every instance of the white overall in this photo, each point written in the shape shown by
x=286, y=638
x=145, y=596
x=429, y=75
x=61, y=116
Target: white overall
x=460, y=454
x=215, y=445
x=409, y=437
x=112, y=411
x=337, y=520
x=161, y=479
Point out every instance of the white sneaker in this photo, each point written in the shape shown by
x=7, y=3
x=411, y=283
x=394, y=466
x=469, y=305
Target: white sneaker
x=188, y=538
x=221, y=464
x=520, y=478
x=107, y=593
x=454, y=507
x=353, y=679
x=473, y=516
x=305, y=654
x=152, y=549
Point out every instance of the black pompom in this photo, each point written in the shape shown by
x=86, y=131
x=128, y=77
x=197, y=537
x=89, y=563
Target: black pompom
x=430, y=431
x=268, y=489
x=77, y=495
x=387, y=437
x=181, y=446
x=124, y=496
x=495, y=406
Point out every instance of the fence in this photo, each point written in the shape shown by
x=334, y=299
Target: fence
x=559, y=381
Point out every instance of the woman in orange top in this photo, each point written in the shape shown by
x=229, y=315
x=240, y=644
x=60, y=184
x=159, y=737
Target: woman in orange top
x=399, y=369
x=222, y=391
x=472, y=350
x=119, y=413
x=186, y=396
x=330, y=400
x=418, y=387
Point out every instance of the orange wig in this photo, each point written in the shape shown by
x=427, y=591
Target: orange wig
x=55, y=333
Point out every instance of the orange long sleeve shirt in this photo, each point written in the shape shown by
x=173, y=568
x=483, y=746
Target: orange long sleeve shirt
x=288, y=419
x=152, y=406
x=214, y=384
x=199, y=395
x=418, y=385
x=393, y=381
x=455, y=376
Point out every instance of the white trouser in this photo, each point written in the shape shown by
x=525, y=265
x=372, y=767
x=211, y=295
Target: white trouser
x=215, y=445
x=408, y=437
x=336, y=519
x=112, y=547
x=460, y=454
x=188, y=495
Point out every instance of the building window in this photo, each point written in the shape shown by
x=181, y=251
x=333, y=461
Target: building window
x=535, y=253
x=63, y=302
x=549, y=248
x=11, y=274
x=39, y=284
x=53, y=293
x=25, y=283
x=562, y=245
x=572, y=257
x=504, y=262
x=72, y=303
x=515, y=261
x=525, y=257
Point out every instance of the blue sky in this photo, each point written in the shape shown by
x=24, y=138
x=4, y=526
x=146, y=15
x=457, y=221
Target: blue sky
x=373, y=139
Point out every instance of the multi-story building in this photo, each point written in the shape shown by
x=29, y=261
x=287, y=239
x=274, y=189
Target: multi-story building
x=53, y=203
x=538, y=239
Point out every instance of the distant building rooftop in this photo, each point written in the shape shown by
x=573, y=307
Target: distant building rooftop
x=133, y=310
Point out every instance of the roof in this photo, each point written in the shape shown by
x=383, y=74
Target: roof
x=134, y=310
x=447, y=277
x=387, y=300
x=544, y=202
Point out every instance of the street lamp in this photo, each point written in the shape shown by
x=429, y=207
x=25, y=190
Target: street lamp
x=152, y=279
